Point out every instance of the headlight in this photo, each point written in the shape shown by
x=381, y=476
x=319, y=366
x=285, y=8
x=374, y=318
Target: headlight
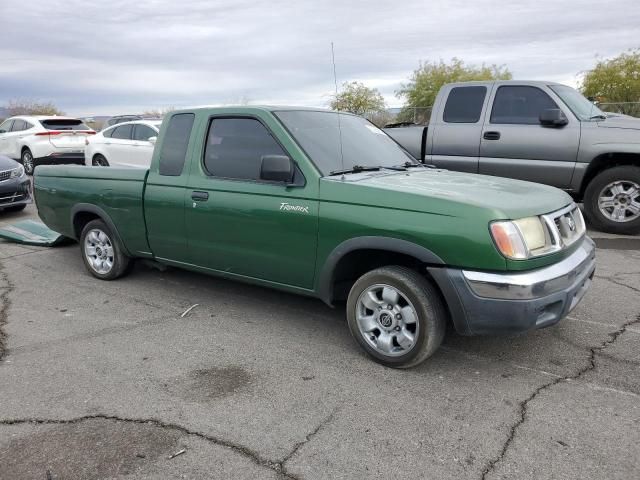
x=17, y=172
x=517, y=239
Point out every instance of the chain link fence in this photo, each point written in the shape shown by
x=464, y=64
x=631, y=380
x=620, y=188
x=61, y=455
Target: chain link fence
x=417, y=115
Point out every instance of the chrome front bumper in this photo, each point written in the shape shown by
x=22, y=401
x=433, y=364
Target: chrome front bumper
x=535, y=284
x=483, y=303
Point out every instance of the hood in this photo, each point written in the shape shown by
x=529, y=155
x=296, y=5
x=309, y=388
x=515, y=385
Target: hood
x=620, y=121
x=7, y=164
x=443, y=192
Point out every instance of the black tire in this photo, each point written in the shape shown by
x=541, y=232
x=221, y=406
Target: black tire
x=99, y=161
x=627, y=175
x=16, y=208
x=120, y=262
x=426, y=301
x=28, y=162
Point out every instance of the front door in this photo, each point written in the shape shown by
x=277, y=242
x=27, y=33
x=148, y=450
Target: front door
x=514, y=144
x=240, y=225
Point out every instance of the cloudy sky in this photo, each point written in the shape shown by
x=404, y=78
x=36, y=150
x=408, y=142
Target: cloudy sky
x=120, y=56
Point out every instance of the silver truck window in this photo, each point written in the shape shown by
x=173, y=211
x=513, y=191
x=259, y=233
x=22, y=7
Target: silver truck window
x=520, y=104
x=580, y=106
x=174, y=145
x=464, y=104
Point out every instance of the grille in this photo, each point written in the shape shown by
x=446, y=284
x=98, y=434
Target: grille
x=564, y=227
x=6, y=175
x=16, y=197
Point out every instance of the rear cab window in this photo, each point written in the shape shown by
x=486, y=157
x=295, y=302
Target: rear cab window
x=64, y=124
x=464, y=104
x=175, y=143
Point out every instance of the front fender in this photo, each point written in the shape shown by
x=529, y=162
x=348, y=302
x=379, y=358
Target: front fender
x=389, y=244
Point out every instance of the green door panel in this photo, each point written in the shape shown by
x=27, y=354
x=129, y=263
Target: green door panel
x=247, y=229
x=260, y=230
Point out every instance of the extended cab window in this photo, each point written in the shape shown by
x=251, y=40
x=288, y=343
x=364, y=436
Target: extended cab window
x=175, y=143
x=520, y=104
x=123, y=132
x=235, y=147
x=464, y=104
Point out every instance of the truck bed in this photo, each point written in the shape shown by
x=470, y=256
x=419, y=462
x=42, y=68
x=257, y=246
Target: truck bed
x=60, y=190
x=412, y=139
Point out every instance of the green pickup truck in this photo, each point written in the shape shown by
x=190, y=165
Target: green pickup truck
x=327, y=205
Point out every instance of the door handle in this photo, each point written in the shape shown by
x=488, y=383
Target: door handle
x=200, y=196
x=491, y=135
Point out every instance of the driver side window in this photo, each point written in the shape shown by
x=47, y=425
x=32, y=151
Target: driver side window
x=520, y=105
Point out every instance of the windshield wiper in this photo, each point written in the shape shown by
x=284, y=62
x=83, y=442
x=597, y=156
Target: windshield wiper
x=354, y=169
x=600, y=116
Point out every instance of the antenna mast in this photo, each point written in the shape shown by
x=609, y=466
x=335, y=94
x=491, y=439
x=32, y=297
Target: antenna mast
x=335, y=82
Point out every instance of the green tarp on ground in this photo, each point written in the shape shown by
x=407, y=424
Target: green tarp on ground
x=31, y=232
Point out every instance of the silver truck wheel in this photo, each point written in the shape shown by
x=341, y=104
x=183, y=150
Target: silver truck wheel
x=612, y=200
x=396, y=315
x=102, y=253
x=98, y=250
x=387, y=320
x=619, y=201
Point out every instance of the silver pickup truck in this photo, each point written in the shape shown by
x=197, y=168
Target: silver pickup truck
x=538, y=131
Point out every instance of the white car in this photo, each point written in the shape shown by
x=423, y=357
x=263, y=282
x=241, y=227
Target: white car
x=44, y=140
x=127, y=144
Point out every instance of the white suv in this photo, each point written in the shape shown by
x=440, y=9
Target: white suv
x=127, y=144
x=40, y=140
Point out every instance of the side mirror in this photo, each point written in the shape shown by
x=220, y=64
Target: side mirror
x=553, y=117
x=277, y=168
x=152, y=140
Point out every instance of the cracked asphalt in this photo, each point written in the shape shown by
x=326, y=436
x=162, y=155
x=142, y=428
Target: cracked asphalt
x=108, y=380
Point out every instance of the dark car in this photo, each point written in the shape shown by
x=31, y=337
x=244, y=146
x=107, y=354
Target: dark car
x=15, y=187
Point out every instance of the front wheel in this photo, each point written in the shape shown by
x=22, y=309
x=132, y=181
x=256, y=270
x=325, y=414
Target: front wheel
x=28, y=162
x=102, y=253
x=397, y=316
x=612, y=200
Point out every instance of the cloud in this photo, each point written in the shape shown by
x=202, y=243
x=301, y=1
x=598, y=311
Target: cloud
x=122, y=56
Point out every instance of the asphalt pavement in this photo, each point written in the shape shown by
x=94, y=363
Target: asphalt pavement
x=110, y=380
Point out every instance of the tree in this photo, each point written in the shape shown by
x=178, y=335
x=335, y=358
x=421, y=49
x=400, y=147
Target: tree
x=614, y=80
x=31, y=107
x=425, y=82
x=356, y=98
x=158, y=112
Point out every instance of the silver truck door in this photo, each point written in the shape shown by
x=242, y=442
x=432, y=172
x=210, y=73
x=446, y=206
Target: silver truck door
x=514, y=144
x=456, y=127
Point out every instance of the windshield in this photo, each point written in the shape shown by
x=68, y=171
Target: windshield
x=363, y=144
x=580, y=106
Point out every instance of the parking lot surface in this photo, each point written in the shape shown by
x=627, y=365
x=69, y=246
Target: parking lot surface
x=110, y=380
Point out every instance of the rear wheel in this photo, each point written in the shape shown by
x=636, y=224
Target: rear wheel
x=102, y=253
x=28, y=162
x=99, y=161
x=397, y=316
x=612, y=200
